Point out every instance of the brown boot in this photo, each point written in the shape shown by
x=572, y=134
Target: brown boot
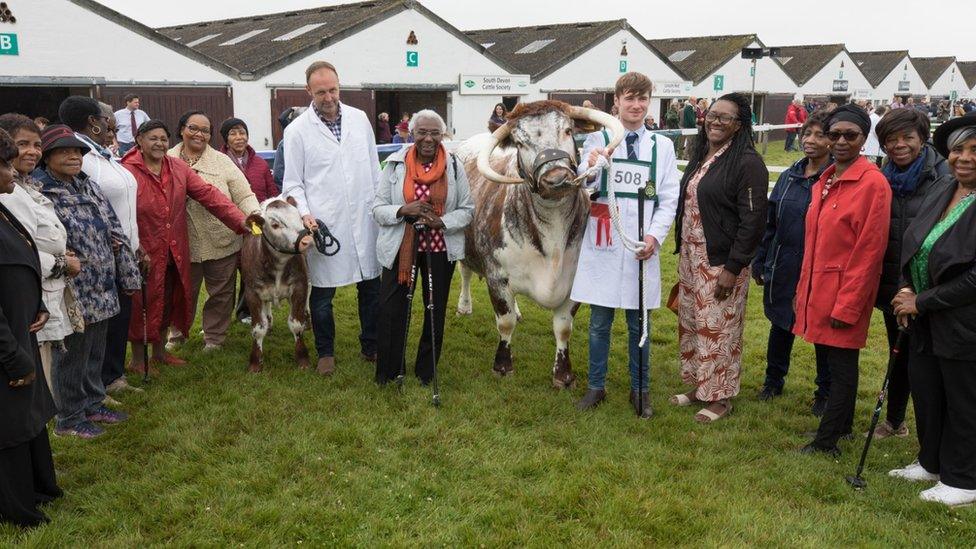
x=326, y=366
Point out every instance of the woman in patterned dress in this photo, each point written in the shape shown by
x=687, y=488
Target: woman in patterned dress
x=720, y=223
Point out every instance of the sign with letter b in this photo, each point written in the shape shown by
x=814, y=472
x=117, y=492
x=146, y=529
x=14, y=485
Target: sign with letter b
x=8, y=44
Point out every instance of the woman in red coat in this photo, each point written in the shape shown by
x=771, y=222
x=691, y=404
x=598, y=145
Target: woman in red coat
x=845, y=240
x=255, y=168
x=165, y=183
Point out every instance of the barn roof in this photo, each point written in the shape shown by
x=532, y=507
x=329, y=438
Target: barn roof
x=968, y=71
x=697, y=57
x=877, y=65
x=931, y=68
x=802, y=63
x=151, y=34
x=261, y=44
x=542, y=49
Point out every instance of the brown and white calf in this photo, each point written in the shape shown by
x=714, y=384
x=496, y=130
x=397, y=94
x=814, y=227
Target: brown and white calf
x=529, y=216
x=273, y=270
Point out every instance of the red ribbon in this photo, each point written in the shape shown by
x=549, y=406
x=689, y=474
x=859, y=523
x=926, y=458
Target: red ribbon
x=602, y=214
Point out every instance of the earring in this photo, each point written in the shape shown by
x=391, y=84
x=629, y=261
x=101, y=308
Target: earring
x=95, y=130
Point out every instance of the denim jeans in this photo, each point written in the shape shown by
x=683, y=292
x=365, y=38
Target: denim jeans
x=601, y=321
x=77, y=375
x=323, y=321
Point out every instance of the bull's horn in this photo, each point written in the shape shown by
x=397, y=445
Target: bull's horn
x=611, y=123
x=484, y=158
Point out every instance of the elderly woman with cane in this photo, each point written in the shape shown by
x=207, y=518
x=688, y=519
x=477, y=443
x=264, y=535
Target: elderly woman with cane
x=844, y=242
x=939, y=292
x=423, y=187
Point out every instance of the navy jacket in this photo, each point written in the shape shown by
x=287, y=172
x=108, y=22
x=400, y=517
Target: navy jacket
x=780, y=254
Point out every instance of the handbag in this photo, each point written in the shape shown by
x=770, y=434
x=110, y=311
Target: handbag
x=673, y=298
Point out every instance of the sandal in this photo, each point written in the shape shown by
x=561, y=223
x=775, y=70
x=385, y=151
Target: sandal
x=707, y=416
x=682, y=400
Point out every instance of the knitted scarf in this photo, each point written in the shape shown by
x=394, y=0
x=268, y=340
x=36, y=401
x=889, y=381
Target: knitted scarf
x=904, y=182
x=436, y=179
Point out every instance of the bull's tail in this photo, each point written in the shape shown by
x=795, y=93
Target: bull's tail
x=464, y=306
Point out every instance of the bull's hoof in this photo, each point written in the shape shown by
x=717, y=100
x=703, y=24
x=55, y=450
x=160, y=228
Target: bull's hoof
x=304, y=364
x=567, y=381
x=562, y=371
x=503, y=360
x=254, y=368
x=464, y=309
x=503, y=370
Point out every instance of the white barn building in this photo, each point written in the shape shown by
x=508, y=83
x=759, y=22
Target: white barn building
x=941, y=75
x=824, y=73
x=890, y=73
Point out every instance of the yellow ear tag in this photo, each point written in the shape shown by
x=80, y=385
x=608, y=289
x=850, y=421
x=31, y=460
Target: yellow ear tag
x=255, y=230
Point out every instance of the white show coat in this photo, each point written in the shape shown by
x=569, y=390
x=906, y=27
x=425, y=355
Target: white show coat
x=336, y=182
x=607, y=274
x=117, y=184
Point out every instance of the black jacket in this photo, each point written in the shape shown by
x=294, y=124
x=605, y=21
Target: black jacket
x=946, y=322
x=25, y=410
x=733, y=210
x=903, y=210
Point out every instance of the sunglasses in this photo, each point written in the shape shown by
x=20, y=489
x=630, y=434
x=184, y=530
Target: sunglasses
x=848, y=136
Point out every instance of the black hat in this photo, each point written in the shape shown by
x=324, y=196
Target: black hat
x=229, y=124
x=850, y=113
x=941, y=137
x=59, y=136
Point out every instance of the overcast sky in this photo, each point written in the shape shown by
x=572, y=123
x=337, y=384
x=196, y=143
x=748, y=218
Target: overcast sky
x=925, y=27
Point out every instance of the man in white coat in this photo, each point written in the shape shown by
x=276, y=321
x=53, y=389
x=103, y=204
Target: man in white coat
x=332, y=171
x=606, y=277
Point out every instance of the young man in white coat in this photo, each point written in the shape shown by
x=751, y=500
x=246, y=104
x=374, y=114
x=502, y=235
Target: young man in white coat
x=607, y=275
x=332, y=171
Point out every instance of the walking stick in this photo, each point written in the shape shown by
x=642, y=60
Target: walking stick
x=436, y=397
x=411, y=285
x=641, y=195
x=145, y=335
x=856, y=481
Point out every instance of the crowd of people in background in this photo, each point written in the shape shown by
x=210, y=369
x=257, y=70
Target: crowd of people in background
x=102, y=215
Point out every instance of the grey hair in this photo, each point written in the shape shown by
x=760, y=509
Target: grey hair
x=426, y=114
x=960, y=136
x=106, y=109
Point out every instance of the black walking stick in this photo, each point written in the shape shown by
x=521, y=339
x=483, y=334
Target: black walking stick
x=856, y=481
x=641, y=195
x=411, y=285
x=436, y=397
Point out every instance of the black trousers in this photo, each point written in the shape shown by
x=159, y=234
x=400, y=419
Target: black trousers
x=945, y=415
x=778, y=350
x=392, y=319
x=838, y=418
x=899, y=387
x=27, y=480
x=113, y=365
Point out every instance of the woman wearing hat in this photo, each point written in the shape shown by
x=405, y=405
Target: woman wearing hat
x=912, y=169
x=402, y=134
x=165, y=184
x=109, y=266
x=214, y=248
x=844, y=242
x=27, y=476
x=938, y=296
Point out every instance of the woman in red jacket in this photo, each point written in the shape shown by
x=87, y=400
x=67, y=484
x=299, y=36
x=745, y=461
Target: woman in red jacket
x=255, y=168
x=165, y=184
x=845, y=240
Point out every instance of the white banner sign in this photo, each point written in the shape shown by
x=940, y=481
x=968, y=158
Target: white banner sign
x=672, y=88
x=862, y=94
x=485, y=84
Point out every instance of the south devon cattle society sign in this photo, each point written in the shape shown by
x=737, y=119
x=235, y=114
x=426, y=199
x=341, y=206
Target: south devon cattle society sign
x=482, y=84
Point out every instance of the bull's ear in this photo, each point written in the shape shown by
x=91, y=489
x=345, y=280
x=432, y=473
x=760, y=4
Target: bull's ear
x=291, y=200
x=254, y=222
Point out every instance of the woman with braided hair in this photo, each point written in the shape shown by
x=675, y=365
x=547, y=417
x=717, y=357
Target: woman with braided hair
x=720, y=222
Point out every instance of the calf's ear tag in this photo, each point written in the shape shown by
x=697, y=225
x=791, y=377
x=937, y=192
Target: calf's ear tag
x=255, y=230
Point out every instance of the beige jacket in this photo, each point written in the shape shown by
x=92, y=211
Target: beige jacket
x=209, y=237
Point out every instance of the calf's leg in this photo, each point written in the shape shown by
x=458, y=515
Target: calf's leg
x=260, y=324
x=296, y=324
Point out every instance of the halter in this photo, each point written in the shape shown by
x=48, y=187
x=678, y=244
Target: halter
x=545, y=157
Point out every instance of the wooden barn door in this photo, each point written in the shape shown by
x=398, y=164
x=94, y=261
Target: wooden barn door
x=169, y=103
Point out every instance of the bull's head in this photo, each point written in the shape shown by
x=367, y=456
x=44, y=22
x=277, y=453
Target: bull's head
x=280, y=225
x=542, y=133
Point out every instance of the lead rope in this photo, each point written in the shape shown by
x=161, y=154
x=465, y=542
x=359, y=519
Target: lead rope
x=629, y=243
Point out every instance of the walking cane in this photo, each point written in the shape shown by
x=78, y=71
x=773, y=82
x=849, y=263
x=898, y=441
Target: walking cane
x=856, y=481
x=411, y=285
x=436, y=397
x=145, y=335
x=641, y=195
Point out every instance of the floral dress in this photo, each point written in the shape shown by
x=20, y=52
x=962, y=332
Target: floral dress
x=709, y=330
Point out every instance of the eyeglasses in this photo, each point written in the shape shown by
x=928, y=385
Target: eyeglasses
x=197, y=130
x=422, y=134
x=848, y=136
x=724, y=119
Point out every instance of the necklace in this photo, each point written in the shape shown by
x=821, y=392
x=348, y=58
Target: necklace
x=186, y=158
x=829, y=184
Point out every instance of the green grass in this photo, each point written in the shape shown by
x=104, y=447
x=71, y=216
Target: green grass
x=214, y=456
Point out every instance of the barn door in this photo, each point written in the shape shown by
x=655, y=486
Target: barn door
x=169, y=103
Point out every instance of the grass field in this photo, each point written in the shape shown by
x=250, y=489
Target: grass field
x=214, y=456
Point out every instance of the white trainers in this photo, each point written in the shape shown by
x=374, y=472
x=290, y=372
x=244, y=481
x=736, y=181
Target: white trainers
x=947, y=495
x=914, y=472
x=120, y=385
